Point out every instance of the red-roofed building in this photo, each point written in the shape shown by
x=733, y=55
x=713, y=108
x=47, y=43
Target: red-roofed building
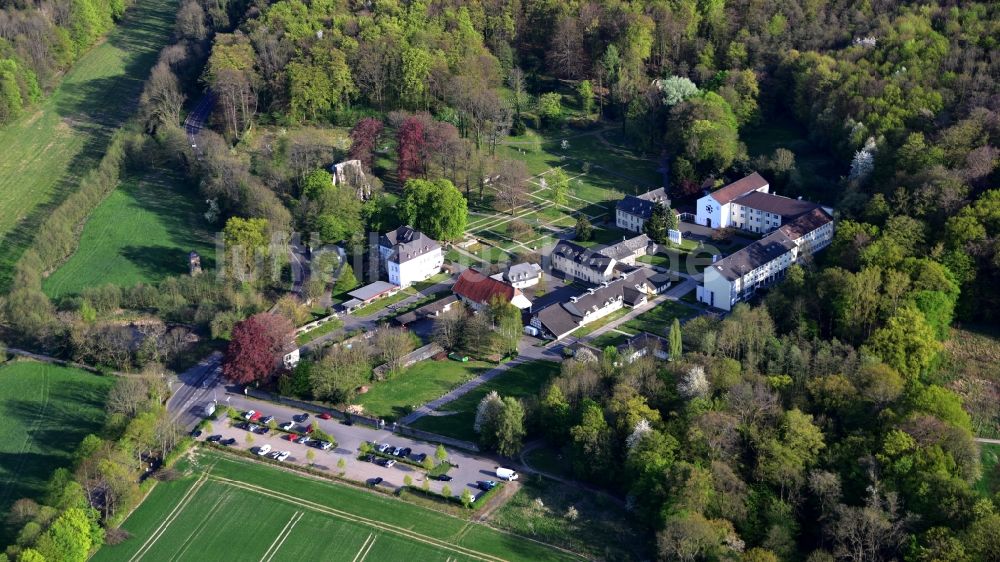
x=477, y=289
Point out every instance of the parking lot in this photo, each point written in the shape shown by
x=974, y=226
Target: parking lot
x=467, y=473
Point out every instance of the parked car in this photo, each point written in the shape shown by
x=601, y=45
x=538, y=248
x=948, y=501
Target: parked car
x=325, y=445
x=486, y=485
x=397, y=451
x=371, y=458
x=249, y=414
x=301, y=417
x=325, y=416
x=287, y=425
x=389, y=463
x=420, y=458
x=261, y=430
x=196, y=433
x=242, y=425
x=384, y=447
x=309, y=428
x=375, y=481
x=283, y=455
x=264, y=449
x=252, y=427
x=214, y=438
x=256, y=416
x=303, y=439
x=227, y=442
x=405, y=452
x=442, y=478
x=267, y=419
x=506, y=474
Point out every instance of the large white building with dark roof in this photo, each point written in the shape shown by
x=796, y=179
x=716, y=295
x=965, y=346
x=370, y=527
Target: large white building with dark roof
x=738, y=276
x=408, y=256
x=632, y=212
x=748, y=204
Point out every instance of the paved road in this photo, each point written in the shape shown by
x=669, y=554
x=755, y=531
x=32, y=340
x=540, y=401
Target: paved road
x=195, y=120
x=194, y=389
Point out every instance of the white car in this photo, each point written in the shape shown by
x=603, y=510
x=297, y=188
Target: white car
x=287, y=425
x=506, y=474
x=249, y=414
x=283, y=455
x=264, y=449
x=384, y=447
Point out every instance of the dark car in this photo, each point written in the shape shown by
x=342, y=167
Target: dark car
x=486, y=485
x=375, y=481
x=242, y=425
x=370, y=458
x=266, y=419
x=442, y=478
x=230, y=441
x=196, y=433
x=420, y=457
x=214, y=438
x=404, y=452
x=301, y=417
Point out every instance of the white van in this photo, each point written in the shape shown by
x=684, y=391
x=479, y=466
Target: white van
x=506, y=474
x=209, y=409
x=531, y=331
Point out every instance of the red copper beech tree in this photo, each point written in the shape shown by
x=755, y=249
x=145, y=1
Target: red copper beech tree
x=257, y=346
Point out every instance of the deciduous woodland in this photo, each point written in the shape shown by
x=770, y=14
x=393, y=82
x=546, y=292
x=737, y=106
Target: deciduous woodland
x=828, y=419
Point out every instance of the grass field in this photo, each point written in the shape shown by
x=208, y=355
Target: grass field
x=526, y=379
x=142, y=232
x=418, y=384
x=46, y=410
x=658, y=319
x=600, y=530
x=45, y=153
x=230, y=509
x=969, y=367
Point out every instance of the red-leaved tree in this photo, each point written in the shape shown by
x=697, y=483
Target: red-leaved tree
x=410, y=139
x=364, y=139
x=257, y=346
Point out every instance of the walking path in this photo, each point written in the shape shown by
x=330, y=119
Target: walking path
x=527, y=353
x=985, y=440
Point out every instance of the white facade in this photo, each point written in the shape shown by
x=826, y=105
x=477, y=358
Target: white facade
x=752, y=220
x=718, y=210
x=628, y=221
x=598, y=273
x=413, y=270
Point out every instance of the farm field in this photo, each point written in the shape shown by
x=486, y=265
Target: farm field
x=226, y=508
x=526, y=379
x=47, y=151
x=47, y=411
x=142, y=232
x=418, y=384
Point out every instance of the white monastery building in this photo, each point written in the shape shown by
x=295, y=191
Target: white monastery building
x=409, y=256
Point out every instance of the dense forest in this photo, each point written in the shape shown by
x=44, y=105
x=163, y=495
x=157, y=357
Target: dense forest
x=812, y=425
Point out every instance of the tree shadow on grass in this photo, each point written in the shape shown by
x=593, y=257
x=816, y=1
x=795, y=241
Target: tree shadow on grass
x=157, y=261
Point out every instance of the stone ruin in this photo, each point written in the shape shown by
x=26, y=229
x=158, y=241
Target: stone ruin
x=350, y=173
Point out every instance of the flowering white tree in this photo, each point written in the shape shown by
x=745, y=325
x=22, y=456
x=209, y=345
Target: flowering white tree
x=487, y=411
x=675, y=89
x=642, y=427
x=863, y=163
x=694, y=383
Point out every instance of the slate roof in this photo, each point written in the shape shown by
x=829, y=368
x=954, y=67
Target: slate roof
x=557, y=321
x=738, y=188
x=369, y=292
x=477, y=287
x=787, y=207
x=407, y=243
x=581, y=255
x=523, y=272
x=753, y=256
x=625, y=248
x=645, y=340
x=642, y=205
x=594, y=299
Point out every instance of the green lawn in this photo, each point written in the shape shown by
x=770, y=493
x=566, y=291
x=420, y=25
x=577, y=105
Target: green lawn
x=46, y=410
x=372, y=308
x=142, y=232
x=418, y=384
x=657, y=320
x=46, y=152
x=601, y=529
x=526, y=379
x=612, y=338
x=226, y=508
x=589, y=328
x=320, y=330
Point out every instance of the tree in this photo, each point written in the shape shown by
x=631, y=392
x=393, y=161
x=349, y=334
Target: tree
x=550, y=108
x=71, y=537
x=410, y=143
x=694, y=383
x=311, y=457
x=436, y=208
x=318, y=81
x=556, y=413
x=509, y=183
x=364, y=141
x=391, y=345
x=585, y=91
x=440, y=453
x=507, y=324
x=256, y=348
x=676, y=89
x=906, y=343
x=467, y=498
x=510, y=427
x=558, y=182
x=449, y=328
x=446, y=491
x=676, y=343
x=346, y=280
x=707, y=131
x=487, y=414
x=246, y=245
x=340, y=372
x=591, y=442
x=584, y=231
x=656, y=226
